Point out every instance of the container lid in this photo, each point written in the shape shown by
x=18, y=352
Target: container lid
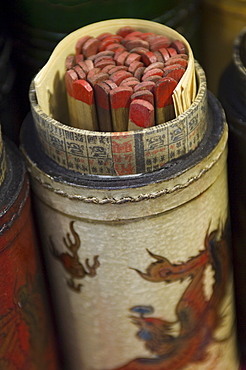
x=113, y=153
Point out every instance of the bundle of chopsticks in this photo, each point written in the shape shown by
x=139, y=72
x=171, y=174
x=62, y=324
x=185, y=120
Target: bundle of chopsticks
x=123, y=81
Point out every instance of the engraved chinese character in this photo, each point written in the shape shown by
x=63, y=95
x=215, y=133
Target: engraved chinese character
x=69, y=135
x=84, y=168
x=98, y=151
x=193, y=123
x=103, y=140
x=75, y=148
x=176, y=134
x=155, y=142
x=56, y=143
x=127, y=158
x=122, y=147
x=92, y=140
x=123, y=169
x=79, y=137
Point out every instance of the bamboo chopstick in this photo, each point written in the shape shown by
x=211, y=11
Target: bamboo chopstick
x=113, y=79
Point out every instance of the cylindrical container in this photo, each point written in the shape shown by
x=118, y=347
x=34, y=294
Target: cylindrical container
x=233, y=97
x=139, y=263
x=112, y=153
x=27, y=338
x=222, y=20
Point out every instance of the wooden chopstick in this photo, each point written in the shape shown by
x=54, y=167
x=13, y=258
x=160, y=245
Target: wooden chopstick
x=112, y=77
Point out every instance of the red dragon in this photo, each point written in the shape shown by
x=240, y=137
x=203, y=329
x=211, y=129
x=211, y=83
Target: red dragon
x=71, y=262
x=198, y=316
x=24, y=340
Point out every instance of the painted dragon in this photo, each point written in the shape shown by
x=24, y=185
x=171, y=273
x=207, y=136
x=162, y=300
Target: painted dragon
x=198, y=317
x=25, y=342
x=71, y=262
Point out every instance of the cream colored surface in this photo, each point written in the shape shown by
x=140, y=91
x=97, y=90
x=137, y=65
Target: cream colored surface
x=172, y=221
x=177, y=190
x=52, y=73
x=77, y=149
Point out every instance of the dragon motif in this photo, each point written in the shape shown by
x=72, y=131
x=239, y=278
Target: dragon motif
x=71, y=262
x=24, y=340
x=198, y=316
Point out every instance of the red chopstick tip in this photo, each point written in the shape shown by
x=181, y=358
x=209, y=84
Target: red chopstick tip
x=90, y=47
x=178, y=46
x=70, y=77
x=123, y=31
x=145, y=85
x=141, y=113
x=174, y=71
x=80, y=43
x=143, y=95
x=163, y=91
x=120, y=97
x=83, y=91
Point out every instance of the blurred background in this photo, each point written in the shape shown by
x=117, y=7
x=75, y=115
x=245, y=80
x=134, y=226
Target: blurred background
x=30, y=30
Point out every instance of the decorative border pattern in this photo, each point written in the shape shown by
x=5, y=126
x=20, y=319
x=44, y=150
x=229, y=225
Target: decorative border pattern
x=7, y=225
x=127, y=199
x=98, y=153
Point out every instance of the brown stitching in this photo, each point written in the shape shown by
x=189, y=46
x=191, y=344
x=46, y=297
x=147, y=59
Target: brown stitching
x=128, y=199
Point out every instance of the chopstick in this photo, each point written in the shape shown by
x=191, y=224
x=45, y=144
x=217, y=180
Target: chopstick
x=85, y=105
x=114, y=79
